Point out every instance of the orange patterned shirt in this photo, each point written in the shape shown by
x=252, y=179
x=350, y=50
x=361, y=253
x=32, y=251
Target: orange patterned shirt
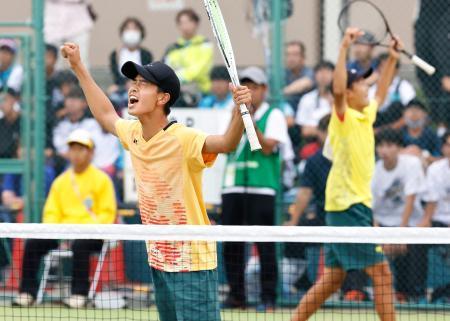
x=168, y=173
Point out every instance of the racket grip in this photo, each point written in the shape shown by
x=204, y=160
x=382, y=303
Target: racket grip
x=250, y=129
x=422, y=64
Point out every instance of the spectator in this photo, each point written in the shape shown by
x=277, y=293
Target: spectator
x=51, y=57
x=11, y=73
x=9, y=125
x=60, y=26
x=12, y=189
x=420, y=140
x=299, y=78
x=397, y=185
x=401, y=92
x=65, y=82
x=76, y=107
x=363, y=55
x=434, y=47
x=220, y=96
x=437, y=209
x=314, y=105
x=107, y=152
x=132, y=33
x=312, y=190
x=81, y=195
x=250, y=186
x=191, y=57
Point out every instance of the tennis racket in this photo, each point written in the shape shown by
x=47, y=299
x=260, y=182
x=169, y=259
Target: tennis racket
x=223, y=41
x=369, y=18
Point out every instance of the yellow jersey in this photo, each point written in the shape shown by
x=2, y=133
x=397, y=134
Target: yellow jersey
x=168, y=175
x=84, y=198
x=352, y=143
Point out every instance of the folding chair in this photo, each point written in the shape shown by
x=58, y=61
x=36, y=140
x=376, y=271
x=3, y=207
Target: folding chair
x=57, y=255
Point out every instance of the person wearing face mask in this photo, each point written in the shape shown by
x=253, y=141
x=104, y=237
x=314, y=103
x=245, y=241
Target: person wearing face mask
x=420, y=140
x=132, y=33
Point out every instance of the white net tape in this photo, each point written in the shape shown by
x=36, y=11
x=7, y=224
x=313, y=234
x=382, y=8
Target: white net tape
x=322, y=234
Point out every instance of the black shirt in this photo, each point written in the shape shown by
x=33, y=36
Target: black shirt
x=315, y=177
x=9, y=138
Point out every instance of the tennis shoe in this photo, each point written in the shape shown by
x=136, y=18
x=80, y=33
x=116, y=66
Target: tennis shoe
x=75, y=302
x=23, y=300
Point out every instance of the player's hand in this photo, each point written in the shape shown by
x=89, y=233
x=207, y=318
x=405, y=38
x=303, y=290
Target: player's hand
x=395, y=47
x=71, y=52
x=241, y=95
x=351, y=35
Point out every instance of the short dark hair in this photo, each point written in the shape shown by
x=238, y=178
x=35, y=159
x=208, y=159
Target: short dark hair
x=51, y=49
x=76, y=93
x=299, y=44
x=324, y=64
x=166, y=106
x=384, y=56
x=134, y=20
x=219, y=73
x=445, y=137
x=418, y=104
x=324, y=122
x=390, y=136
x=192, y=15
x=65, y=77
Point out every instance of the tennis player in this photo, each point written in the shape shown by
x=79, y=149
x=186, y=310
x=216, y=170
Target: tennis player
x=348, y=197
x=168, y=160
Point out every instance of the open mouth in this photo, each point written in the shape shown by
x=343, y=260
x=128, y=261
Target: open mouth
x=133, y=100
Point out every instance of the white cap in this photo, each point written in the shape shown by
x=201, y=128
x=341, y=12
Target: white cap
x=82, y=137
x=254, y=74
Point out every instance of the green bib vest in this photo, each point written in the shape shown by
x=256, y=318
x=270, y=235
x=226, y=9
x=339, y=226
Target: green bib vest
x=253, y=169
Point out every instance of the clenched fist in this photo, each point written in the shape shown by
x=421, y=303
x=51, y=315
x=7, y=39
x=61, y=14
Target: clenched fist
x=71, y=52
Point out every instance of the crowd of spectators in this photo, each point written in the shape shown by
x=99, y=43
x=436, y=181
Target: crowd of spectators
x=412, y=177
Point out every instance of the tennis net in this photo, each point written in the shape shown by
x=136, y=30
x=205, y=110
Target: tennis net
x=101, y=272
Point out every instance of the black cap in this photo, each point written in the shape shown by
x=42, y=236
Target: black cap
x=353, y=75
x=157, y=73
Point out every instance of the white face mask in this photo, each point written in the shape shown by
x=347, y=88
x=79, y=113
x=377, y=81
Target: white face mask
x=131, y=38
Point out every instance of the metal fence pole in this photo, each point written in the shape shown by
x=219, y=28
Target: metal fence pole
x=26, y=130
x=39, y=109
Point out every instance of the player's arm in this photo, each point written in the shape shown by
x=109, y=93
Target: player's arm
x=301, y=203
x=228, y=142
x=408, y=209
x=386, y=77
x=340, y=72
x=101, y=107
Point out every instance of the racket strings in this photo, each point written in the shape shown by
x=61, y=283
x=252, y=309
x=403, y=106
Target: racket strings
x=366, y=17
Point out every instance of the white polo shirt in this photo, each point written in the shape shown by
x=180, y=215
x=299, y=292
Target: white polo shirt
x=438, y=189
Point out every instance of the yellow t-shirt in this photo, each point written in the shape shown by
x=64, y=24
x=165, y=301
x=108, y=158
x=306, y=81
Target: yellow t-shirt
x=168, y=173
x=86, y=198
x=352, y=145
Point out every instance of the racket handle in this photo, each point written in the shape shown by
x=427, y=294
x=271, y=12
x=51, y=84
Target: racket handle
x=250, y=129
x=422, y=64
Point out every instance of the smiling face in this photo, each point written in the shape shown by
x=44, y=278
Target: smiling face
x=358, y=94
x=145, y=97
